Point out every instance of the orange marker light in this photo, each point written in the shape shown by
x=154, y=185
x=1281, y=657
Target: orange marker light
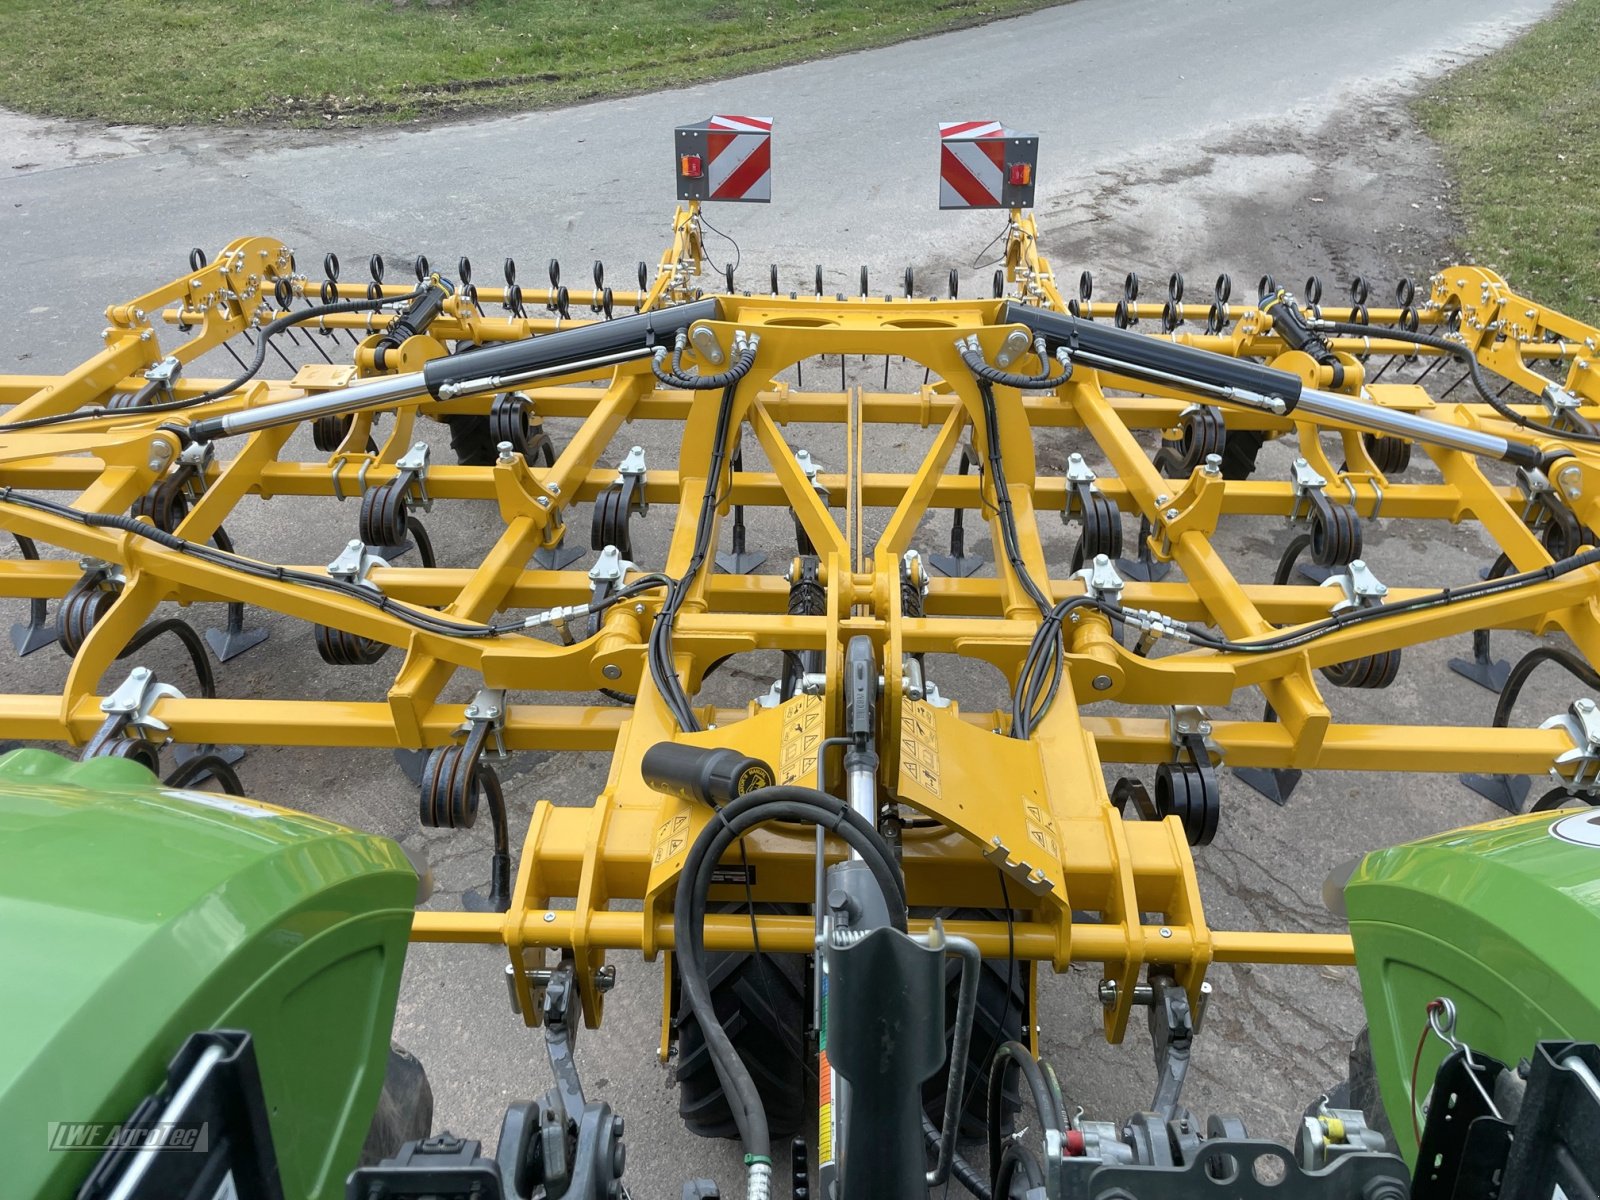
x=1018, y=174
x=690, y=166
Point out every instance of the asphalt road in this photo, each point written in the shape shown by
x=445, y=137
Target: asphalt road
x=88, y=217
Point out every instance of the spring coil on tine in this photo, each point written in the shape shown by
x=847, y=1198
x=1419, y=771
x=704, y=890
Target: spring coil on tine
x=83, y=605
x=342, y=649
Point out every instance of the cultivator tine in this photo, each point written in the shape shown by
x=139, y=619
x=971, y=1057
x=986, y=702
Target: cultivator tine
x=36, y=632
x=1483, y=668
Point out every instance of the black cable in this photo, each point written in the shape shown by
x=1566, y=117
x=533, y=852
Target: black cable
x=675, y=377
x=729, y=824
x=1042, y=382
x=960, y=1169
x=1468, y=359
x=738, y=255
x=1009, y=1054
x=268, y=331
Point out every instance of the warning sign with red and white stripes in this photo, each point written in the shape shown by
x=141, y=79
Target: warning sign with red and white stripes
x=727, y=157
x=984, y=165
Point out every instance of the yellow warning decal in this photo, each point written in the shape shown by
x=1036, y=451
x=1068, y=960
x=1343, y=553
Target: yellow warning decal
x=919, y=746
x=671, y=837
x=802, y=735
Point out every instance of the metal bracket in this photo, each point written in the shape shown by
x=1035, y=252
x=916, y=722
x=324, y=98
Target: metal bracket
x=809, y=465
x=136, y=697
x=1188, y=726
x=1306, y=480
x=610, y=567
x=1581, y=723
x=415, y=464
x=488, y=707
x=1101, y=581
x=355, y=562
x=1360, y=586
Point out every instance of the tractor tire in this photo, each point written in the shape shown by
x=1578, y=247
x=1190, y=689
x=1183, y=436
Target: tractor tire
x=1239, y=450
x=764, y=1003
x=405, y=1109
x=471, y=440
x=1360, y=1091
x=999, y=1018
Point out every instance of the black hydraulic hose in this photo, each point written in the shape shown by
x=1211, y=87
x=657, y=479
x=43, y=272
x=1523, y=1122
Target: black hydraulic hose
x=1357, y=616
x=268, y=331
x=701, y=383
x=663, y=672
x=1469, y=360
x=1050, y=1116
x=728, y=825
x=1042, y=382
x=963, y=1172
x=1017, y=1158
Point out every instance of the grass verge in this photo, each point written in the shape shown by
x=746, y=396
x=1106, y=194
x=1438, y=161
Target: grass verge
x=1521, y=132
x=318, y=62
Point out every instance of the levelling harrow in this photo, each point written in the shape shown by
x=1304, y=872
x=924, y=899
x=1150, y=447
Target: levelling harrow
x=839, y=835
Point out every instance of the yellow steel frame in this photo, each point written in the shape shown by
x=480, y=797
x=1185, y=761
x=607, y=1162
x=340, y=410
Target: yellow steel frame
x=1048, y=825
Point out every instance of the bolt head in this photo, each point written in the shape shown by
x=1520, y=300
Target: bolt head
x=611, y=671
x=1585, y=705
x=1163, y=498
x=544, y=501
x=1165, y=932
x=549, y=917
x=1101, y=683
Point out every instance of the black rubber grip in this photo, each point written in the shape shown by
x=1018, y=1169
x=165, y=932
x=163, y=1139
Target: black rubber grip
x=703, y=776
x=1136, y=355
x=642, y=331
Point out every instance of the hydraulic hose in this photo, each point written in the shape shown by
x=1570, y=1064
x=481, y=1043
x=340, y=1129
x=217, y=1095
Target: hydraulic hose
x=783, y=803
x=268, y=331
x=1468, y=359
x=972, y=355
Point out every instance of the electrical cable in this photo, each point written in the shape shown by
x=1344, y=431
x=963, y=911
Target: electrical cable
x=738, y=255
x=267, y=332
x=1468, y=359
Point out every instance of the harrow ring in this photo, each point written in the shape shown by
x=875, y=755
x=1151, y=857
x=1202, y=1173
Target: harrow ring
x=83, y=605
x=512, y=419
x=165, y=505
x=452, y=782
x=342, y=649
x=1189, y=792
